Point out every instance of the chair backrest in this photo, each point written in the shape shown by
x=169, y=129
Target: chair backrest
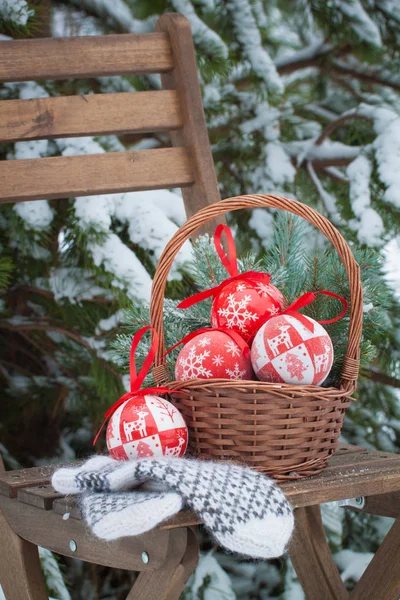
x=176, y=109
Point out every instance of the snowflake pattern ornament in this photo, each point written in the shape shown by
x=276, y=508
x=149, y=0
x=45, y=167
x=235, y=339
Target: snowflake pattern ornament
x=285, y=350
x=245, y=305
x=146, y=427
x=212, y=354
x=243, y=302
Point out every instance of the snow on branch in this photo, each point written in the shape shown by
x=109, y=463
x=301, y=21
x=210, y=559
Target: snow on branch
x=369, y=74
x=328, y=200
x=249, y=36
x=205, y=37
x=115, y=13
x=327, y=154
x=359, y=20
x=350, y=115
x=303, y=58
x=387, y=148
x=368, y=224
x=15, y=11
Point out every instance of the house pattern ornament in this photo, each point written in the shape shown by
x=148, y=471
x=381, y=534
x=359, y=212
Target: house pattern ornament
x=286, y=351
x=144, y=427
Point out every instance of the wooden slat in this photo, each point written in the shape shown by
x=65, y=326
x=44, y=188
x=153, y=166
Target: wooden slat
x=92, y=56
x=168, y=583
x=41, y=496
x=362, y=478
x=12, y=481
x=47, y=529
x=62, y=177
x=96, y=114
x=384, y=505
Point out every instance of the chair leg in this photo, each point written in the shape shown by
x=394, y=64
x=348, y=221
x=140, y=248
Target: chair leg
x=168, y=582
x=312, y=558
x=381, y=578
x=20, y=572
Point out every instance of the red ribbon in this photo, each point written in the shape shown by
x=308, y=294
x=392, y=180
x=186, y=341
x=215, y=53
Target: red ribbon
x=136, y=380
x=306, y=299
x=232, y=334
x=228, y=260
x=230, y=263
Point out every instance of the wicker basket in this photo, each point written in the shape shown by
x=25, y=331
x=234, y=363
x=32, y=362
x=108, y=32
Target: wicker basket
x=284, y=430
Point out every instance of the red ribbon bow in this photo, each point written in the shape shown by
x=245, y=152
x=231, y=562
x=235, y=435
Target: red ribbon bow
x=229, y=261
x=307, y=298
x=137, y=380
x=232, y=334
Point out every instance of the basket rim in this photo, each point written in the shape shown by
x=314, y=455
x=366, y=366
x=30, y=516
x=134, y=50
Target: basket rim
x=292, y=390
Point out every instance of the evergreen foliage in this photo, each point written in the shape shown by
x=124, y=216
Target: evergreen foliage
x=301, y=98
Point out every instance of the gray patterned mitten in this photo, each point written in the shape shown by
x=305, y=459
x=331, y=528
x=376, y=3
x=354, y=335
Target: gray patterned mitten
x=244, y=510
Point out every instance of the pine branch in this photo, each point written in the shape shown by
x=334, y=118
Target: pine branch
x=381, y=377
x=371, y=78
x=345, y=118
x=73, y=336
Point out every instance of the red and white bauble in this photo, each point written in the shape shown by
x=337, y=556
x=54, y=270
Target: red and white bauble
x=213, y=355
x=145, y=427
x=244, y=304
x=285, y=351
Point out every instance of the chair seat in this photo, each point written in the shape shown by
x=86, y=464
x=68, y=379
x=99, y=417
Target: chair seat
x=352, y=471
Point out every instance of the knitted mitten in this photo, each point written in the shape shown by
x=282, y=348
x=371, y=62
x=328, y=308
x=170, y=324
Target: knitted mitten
x=118, y=514
x=245, y=511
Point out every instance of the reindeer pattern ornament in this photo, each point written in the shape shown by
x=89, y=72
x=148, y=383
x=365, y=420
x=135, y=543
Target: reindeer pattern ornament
x=285, y=350
x=144, y=427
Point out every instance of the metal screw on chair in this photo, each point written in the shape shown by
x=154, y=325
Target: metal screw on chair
x=72, y=545
x=145, y=557
x=358, y=502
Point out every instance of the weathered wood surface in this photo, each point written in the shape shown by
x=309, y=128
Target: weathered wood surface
x=20, y=572
x=167, y=583
x=384, y=505
x=41, y=496
x=80, y=57
x=47, y=529
x=12, y=481
x=92, y=114
x=193, y=135
x=66, y=176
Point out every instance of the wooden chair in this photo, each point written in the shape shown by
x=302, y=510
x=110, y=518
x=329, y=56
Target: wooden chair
x=31, y=513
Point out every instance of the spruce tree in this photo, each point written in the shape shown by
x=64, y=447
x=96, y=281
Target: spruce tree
x=301, y=98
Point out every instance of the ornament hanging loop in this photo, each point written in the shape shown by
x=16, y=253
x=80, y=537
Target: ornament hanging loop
x=136, y=380
x=306, y=299
x=229, y=259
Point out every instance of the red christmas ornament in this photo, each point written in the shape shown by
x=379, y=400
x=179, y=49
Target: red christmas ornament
x=141, y=423
x=243, y=302
x=293, y=348
x=244, y=305
x=213, y=354
x=146, y=427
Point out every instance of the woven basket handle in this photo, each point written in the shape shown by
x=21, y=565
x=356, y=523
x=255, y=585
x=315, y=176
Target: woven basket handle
x=351, y=363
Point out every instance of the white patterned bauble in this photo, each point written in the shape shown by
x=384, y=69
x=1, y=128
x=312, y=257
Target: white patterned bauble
x=144, y=427
x=284, y=350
